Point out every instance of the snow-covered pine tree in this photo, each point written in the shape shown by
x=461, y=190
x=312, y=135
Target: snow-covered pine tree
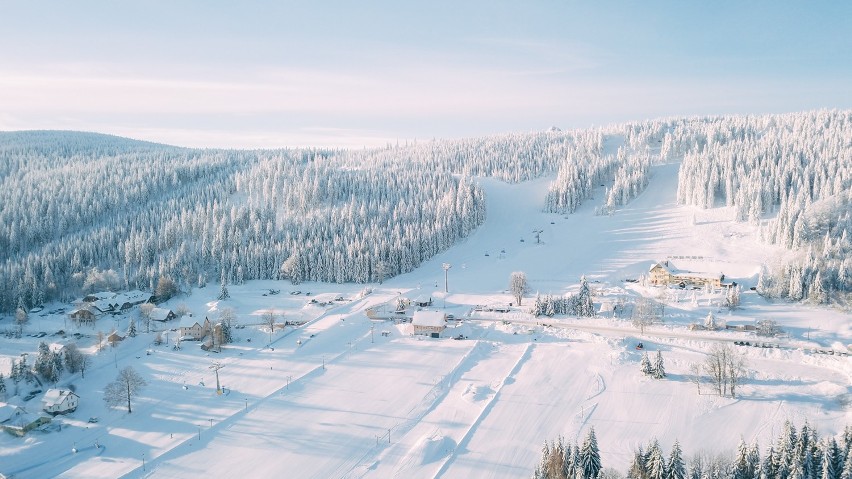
x=659, y=370
x=131, y=328
x=645, y=365
x=223, y=290
x=590, y=457
x=656, y=464
x=710, y=321
x=583, y=304
x=676, y=468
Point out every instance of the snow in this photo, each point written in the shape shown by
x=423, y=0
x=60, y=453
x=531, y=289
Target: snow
x=334, y=398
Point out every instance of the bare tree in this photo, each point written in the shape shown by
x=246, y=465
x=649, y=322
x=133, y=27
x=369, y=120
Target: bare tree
x=166, y=289
x=268, y=319
x=145, y=315
x=126, y=386
x=518, y=285
x=75, y=360
x=100, y=339
x=227, y=316
x=645, y=312
x=726, y=369
x=182, y=310
x=695, y=375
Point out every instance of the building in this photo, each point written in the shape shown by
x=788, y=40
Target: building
x=114, y=338
x=17, y=421
x=429, y=323
x=192, y=329
x=59, y=401
x=108, y=302
x=162, y=315
x=665, y=273
x=82, y=315
x=422, y=301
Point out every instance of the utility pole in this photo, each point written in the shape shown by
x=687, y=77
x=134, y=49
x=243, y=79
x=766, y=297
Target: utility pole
x=216, y=367
x=537, y=234
x=446, y=267
x=371, y=333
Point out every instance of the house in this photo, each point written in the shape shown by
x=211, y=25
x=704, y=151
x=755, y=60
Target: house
x=162, y=315
x=429, y=323
x=114, y=338
x=422, y=301
x=130, y=299
x=82, y=315
x=192, y=329
x=59, y=401
x=665, y=273
x=17, y=421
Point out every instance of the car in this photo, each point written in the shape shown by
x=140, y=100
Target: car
x=93, y=420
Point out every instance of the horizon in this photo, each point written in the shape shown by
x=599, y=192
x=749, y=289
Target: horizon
x=271, y=75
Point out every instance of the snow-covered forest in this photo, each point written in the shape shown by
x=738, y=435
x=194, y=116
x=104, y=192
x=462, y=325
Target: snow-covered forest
x=794, y=169
x=796, y=452
x=80, y=212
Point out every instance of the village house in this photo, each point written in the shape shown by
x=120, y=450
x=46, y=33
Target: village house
x=192, y=329
x=17, y=421
x=114, y=338
x=162, y=315
x=59, y=401
x=429, y=323
x=82, y=315
x=665, y=273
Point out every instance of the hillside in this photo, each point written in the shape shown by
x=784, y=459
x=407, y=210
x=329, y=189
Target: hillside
x=343, y=396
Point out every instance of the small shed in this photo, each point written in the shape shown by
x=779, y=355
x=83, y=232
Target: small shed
x=59, y=401
x=423, y=301
x=429, y=323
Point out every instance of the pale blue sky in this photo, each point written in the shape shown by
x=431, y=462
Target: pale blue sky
x=343, y=73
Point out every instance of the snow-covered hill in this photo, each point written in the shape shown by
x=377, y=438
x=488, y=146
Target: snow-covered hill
x=343, y=396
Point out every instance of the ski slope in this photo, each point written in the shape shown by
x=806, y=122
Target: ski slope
x=338, y=398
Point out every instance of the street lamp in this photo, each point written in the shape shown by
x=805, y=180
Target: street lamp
x=246, y=404
x=371, y=333
x=446, y=267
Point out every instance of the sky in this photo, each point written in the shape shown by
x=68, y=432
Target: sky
x=258, y=74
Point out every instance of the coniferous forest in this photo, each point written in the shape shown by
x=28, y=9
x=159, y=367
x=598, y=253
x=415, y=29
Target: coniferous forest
x=81, y=212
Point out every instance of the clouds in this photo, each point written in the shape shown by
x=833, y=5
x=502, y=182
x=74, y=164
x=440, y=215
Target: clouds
x=263, y=72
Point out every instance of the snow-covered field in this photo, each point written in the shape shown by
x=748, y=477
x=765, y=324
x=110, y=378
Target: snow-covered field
x=344, y=396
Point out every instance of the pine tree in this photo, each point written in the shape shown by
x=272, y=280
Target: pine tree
x=847, y=466
x=223, y=291
x=659, y=371
x=710, y=321
x=645, y=365
x=741, y=463
x=831, y=467
x=131, y=328
x=590, y=458
x=656, y=464
x=637, y=469
x=2, y=387
x=676, y=468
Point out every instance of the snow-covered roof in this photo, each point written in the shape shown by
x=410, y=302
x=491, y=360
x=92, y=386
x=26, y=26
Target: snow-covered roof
x=56, y=396
x=8, y=411
x=162, y=314
x=670, y=268
x=189, y=321
x=423, y=298
x=428, y=318
x=102, y=295
x=134, y=296
x=104, y=305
